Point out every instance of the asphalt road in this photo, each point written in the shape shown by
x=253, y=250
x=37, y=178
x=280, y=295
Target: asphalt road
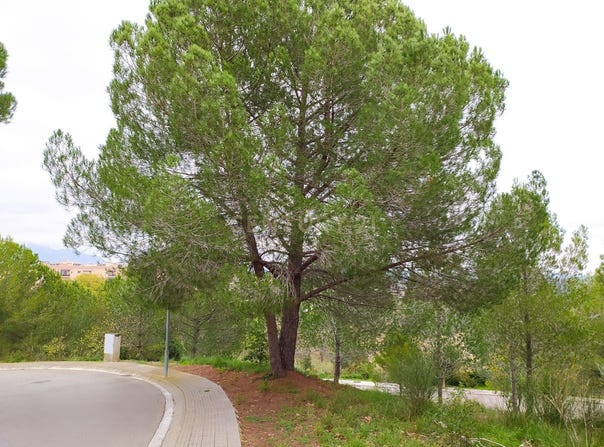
x=71, y=408
x=489, y=399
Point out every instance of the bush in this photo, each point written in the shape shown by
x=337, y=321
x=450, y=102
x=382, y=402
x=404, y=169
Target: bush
x=56, y=349
x=256, y=345
x=152, y=353
x=306, y=363
x=417, y=379
x=364, y=371
x=458, y=417
x=468, y=378
x=90, y=345
x=149, y=353
x=415, y=373
x=175, y=350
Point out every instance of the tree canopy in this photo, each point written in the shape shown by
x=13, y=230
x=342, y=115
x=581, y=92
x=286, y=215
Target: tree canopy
x=8, y=103
x=332, y=145
x=41, y=316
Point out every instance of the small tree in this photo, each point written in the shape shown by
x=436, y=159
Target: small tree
x=447, y=342
x=515, y=267
x=349, y=331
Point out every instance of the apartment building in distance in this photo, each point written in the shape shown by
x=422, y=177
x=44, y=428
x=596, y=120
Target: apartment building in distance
x=71, y=270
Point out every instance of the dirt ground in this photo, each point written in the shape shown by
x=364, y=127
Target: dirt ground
x=260, y=402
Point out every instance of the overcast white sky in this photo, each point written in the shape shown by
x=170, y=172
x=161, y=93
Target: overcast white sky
x=551, y=52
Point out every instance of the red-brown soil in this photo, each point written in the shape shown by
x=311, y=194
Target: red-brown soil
x=259, y=402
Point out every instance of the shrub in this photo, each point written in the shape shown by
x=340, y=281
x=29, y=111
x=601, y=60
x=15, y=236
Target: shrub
x=417, y=381
x=364, y=371
x=415, y=373
x=256, y=345
x=56, y=349
x=468, y=378
x=457, y=417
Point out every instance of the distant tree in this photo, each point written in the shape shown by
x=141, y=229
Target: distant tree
x=8, y=103
x=584, y=300
x=20, y=271
x=330, y=146
x=211, y=322
x=446, y=339
x=42, y=317
x=350, y=331
x=90, y=281
x=596, y=314
x=132, y=314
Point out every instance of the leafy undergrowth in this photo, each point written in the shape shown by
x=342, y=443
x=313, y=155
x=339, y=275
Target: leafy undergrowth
x=300, y=411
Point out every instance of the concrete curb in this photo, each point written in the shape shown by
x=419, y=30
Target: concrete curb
x=198, y=413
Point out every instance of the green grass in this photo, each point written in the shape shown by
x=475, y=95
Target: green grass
x=355, y=418
x=229, y=364
x=369, y=418
x=259, y=418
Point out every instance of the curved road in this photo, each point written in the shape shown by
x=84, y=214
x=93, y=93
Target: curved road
x=73, y=408
x=489, y=399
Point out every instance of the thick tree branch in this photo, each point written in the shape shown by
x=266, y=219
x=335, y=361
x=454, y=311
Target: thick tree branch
x=337, y=282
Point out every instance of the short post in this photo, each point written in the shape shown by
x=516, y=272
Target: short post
x=112, y=347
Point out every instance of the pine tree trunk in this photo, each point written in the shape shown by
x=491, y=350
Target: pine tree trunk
x=513, y=383
x=528, y=339
x=272, y=333
x=337, y=367
x=441, y=387
x=195, y=336
x=441, y=373
x=290, y=317
x=277, y=369
x=529, y=348
x=289, y=336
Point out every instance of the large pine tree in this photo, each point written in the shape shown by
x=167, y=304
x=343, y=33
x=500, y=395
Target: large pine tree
x=330, y=145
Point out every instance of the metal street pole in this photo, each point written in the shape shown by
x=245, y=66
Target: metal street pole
x=167, y=351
